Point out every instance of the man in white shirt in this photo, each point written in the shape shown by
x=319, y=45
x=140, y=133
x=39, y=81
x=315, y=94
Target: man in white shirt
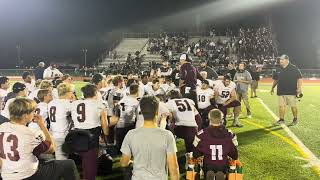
x=51, y=72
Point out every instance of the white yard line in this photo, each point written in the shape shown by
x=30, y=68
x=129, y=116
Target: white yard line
x=313, y=160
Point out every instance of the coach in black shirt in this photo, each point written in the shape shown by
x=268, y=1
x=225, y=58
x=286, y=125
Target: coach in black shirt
x=288, y=80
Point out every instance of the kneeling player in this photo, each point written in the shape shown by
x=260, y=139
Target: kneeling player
x=226, y=97
x=183, y=112
x=21, y=147
x=205, y=102
x=216, y=144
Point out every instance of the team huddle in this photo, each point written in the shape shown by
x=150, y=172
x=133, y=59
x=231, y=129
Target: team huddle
x=139, y=116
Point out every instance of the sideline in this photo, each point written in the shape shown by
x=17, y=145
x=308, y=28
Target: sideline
x=311, y=158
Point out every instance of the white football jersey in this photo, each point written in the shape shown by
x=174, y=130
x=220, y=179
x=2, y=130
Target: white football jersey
x=183, y=112
x=128, y=111
x=163, y=109
x=18, y=143
x=224, y=92
x=34, y=94
x=86, y=113
x=5, y=111
x=30, y=86
x=111, y=94
x=58, y=110
x=204, y=97
x=42, y=110
x=3, y=95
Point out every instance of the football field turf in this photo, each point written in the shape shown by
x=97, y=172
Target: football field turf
x=267, y=151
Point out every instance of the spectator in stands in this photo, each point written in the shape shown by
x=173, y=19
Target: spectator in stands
x=38, y=72
x=212, y=74
x=243, y=79
x=288, y=80
x=215, y=138
x=152, y=148
x=51, y=72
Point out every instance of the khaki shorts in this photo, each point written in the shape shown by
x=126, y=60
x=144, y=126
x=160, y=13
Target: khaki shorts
x=288, y=100
x=254, y=84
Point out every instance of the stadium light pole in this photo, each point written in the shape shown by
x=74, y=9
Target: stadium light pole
x=85, y=56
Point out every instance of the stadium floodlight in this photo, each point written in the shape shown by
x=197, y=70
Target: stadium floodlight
x=85, y=56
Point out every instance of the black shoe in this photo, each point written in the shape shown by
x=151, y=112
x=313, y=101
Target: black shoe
x=294, y=122
x=279, y=122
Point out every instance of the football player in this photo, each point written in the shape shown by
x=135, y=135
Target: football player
x=226, y=97
x=127, y=113
x=59, y=116
x=90, y=114
x=18, y=90
x=216, y=144
x=205, y=102
x=163, y=112
x=183, y=113
x=44, y=96
x=4, y=86
x=21, y=147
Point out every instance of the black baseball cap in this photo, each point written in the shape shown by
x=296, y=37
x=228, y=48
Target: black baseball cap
x=18, y=86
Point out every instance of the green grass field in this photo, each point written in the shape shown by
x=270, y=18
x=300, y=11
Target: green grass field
x=266, y=151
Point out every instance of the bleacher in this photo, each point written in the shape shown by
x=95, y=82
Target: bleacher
x=127, y=45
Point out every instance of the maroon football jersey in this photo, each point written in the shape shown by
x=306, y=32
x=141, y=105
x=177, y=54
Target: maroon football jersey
x=215, y=144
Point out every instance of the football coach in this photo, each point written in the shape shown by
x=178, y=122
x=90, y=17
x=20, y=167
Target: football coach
x=188, y=78
x=288, y=80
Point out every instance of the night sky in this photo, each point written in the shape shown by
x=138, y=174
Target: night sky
x=61, y=28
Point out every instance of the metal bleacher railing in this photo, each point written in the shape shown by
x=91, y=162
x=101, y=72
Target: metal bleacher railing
x=306, y=73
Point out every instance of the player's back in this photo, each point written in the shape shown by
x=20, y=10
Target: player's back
x=183, y=111
x=216, y=144
x=162, y=110
x=128, y=111
x=17, y=144
x=86, y=113
x=204, y=96
x=59, y=110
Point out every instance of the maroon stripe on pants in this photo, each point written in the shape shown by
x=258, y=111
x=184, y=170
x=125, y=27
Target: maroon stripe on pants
x=89, y=163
